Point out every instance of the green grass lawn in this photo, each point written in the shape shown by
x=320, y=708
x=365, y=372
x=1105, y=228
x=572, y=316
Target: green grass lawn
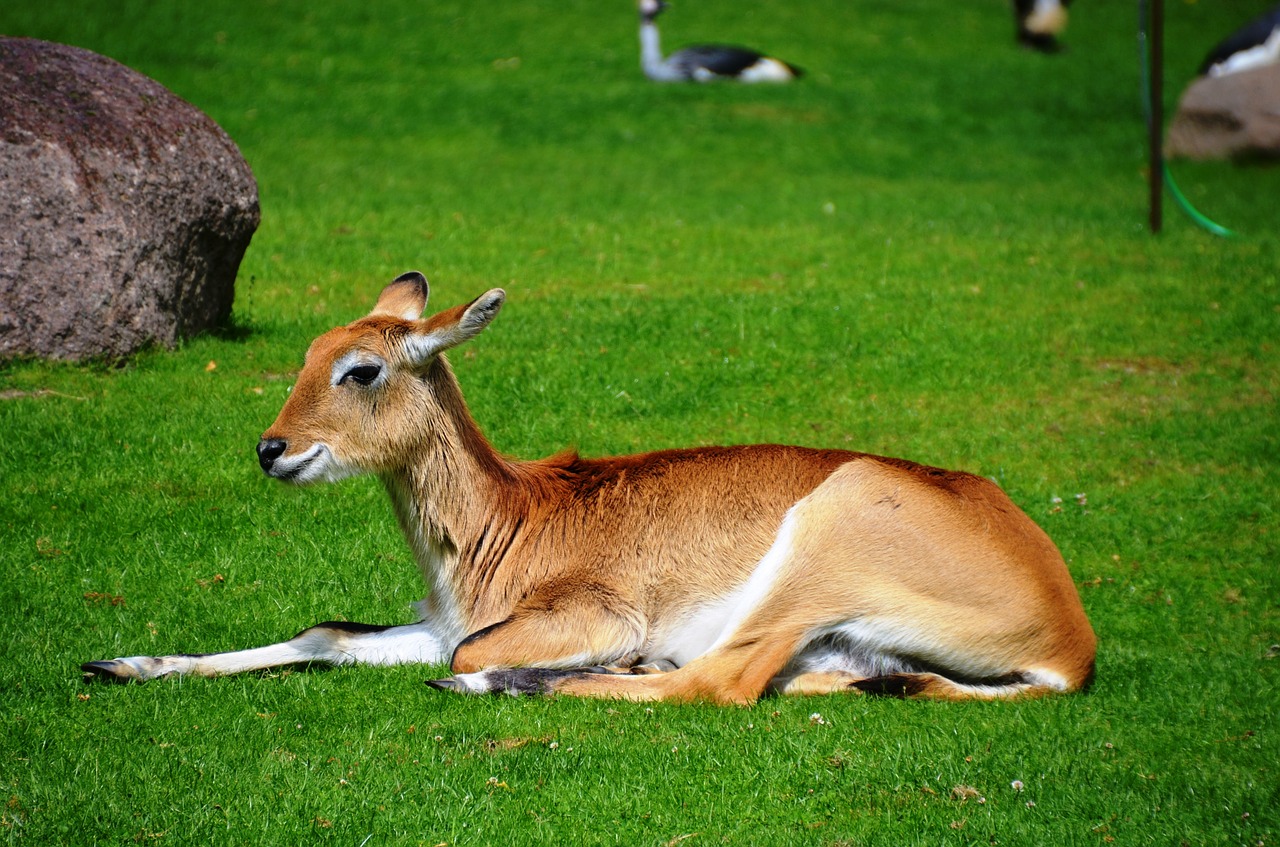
x=933, y=247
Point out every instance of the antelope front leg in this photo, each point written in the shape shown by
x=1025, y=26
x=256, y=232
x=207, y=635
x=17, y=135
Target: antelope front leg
x=731, y=676
x=333, y=642
x=541, y=642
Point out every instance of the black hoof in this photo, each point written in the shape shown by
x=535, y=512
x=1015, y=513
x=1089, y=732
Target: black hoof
x=104, y=672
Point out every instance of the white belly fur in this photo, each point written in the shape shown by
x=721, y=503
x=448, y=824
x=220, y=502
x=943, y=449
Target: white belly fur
x=705, y=627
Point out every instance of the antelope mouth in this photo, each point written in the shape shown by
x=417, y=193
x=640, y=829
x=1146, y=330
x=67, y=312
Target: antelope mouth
x=315, y=464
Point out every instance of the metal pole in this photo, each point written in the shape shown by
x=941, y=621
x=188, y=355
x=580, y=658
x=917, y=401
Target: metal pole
x=1155, y=130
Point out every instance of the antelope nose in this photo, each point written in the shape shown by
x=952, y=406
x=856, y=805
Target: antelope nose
x=270, y=449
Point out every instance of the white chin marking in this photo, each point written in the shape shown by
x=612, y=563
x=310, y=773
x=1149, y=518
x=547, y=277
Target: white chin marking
x=316, y=464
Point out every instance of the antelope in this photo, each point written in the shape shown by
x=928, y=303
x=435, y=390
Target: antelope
x=717, y=574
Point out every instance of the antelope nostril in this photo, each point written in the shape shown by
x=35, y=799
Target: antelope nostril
x=270, y=449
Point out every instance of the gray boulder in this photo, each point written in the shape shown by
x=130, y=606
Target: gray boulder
x=1232, y=116
x=124, y=210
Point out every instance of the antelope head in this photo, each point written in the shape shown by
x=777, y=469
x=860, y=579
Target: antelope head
x=369, y=393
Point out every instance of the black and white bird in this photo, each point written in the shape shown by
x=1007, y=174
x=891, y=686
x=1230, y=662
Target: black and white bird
x=704, y=62
x=1040, y=22
x=1255, y=44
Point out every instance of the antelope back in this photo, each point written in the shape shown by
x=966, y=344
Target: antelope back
x=372, y=392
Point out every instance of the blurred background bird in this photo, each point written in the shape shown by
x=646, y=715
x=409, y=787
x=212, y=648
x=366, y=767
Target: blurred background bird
x=1255, y=44
x=704, y=62
x=1040, y=22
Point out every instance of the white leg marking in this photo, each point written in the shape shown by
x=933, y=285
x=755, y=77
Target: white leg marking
x=415, y=643
x=473, y=683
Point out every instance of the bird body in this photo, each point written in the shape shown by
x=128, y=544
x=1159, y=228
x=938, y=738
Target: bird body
x=704, y=62
x=1040, y=22
x=1255, y=44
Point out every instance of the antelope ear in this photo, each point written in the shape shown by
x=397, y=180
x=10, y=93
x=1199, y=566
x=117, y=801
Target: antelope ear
x=404, y=298
x=454, y=326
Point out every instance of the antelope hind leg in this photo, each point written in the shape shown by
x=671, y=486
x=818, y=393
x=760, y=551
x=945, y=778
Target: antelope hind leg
x=333, y=643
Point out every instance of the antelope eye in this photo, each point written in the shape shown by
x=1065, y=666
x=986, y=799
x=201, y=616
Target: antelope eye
x=362, y=374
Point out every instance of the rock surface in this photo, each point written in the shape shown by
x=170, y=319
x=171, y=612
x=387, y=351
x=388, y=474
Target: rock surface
x=124, y=210
x=1232, y=116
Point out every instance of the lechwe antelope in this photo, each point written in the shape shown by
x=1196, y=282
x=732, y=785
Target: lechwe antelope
x=716, y=573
